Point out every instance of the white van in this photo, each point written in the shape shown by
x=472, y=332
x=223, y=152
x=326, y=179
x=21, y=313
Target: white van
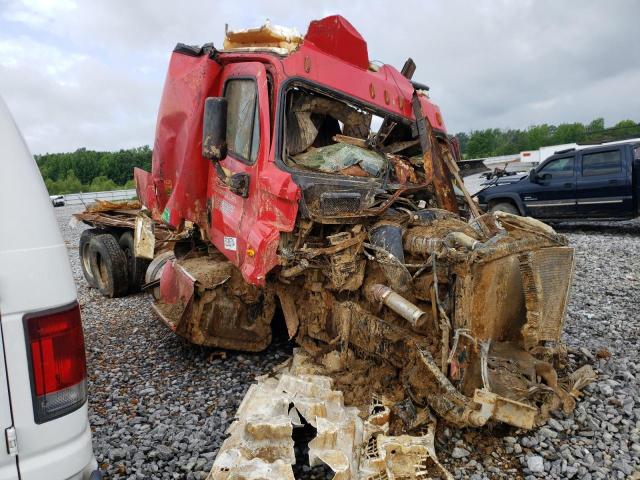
x=44, y=426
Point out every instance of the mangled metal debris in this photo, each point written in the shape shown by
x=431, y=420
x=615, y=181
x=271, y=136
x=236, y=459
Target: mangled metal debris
x=456, y=321
x=355, y=442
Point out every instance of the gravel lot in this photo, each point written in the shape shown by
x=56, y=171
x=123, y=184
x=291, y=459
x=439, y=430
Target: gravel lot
x=159, y=406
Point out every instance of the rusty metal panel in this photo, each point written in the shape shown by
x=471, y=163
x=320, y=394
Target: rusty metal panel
x=506, y=410
x=546, y=278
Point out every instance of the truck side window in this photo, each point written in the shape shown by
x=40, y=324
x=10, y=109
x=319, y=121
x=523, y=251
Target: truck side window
x=243, y=127
x=636, y=153
x=560, y=167
x=601, y=163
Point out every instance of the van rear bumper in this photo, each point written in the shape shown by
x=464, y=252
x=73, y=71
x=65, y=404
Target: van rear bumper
x=90, y=472
x=72, y=460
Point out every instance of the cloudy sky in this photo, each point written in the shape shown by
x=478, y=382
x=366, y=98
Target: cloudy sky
x=89, y=73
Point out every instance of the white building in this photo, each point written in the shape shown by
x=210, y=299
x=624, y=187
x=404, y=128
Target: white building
x=540, y=155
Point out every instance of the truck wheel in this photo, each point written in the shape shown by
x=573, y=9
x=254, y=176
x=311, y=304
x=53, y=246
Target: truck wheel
x=154, y=270
x=137, y=267
x=109, y=265
x=85, y=258
x=505, y=207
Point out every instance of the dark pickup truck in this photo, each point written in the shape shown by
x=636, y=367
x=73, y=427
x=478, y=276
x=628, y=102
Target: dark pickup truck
x=601, y=182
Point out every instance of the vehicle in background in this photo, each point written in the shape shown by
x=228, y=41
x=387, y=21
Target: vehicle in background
x=57, y=200
x=43, y=376
x=596, y=183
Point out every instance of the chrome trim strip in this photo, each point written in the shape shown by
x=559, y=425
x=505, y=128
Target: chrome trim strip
x=551, y=205
x=598, y=202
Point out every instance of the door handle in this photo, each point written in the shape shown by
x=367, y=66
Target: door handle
x=238, y=183
x=613, y=182
x=568, y=185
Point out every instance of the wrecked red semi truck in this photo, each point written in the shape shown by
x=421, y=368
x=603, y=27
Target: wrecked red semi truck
x=290, y=171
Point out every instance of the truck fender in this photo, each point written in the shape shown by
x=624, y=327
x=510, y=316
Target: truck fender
x=507, y=197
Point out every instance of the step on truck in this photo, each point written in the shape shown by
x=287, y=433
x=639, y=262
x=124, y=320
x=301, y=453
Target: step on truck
x=291, y=173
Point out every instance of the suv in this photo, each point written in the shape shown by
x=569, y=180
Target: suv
x=594, y=183
x=43, y=379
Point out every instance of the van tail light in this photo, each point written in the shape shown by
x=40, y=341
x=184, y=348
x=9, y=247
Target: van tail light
x=55, y=345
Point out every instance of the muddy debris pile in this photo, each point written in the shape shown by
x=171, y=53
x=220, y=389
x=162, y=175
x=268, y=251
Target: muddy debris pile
x=417, y=318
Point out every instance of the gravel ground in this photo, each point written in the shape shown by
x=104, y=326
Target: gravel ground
x=159, y=406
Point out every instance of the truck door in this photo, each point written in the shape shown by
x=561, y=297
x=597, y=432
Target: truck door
x=555, y=192
x=8, y=466
x=604, y=184
x=245, y=87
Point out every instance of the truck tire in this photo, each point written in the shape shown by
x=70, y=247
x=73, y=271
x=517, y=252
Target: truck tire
x=85, y=259
x=109, y=265
x=505, y=207
x=136, y=267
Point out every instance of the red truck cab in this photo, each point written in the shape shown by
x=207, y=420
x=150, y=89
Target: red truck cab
x=261, y=83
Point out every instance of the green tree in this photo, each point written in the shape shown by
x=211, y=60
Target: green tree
x=482, y=143
x=69, y=184
x=102, y=184
x=494, y=142
x=463, y=140
x=539, y=136
x=595, y=128
x=626, y=129
x=90, y=170
x=569, y=133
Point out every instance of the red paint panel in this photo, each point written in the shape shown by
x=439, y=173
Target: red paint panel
x=365, y=85
x=263, y=238
x=144, y=189
x=279, y=197
x=179, y=172
x=336, y=36
x=176, y=286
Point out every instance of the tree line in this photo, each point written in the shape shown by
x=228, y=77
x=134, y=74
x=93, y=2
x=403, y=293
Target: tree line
x=91, y=171
x=493, y=142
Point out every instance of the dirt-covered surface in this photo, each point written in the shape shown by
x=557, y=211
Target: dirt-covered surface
x=159, y=406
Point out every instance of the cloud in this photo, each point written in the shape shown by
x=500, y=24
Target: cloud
x=37, y=13
x=66, y=100
x=23, y=53
x=90, y=73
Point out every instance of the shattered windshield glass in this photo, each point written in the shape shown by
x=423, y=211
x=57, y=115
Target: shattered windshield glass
x=327, y=135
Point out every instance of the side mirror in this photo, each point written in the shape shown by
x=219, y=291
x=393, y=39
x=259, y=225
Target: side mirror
x=214, y=129
x=533, y=176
